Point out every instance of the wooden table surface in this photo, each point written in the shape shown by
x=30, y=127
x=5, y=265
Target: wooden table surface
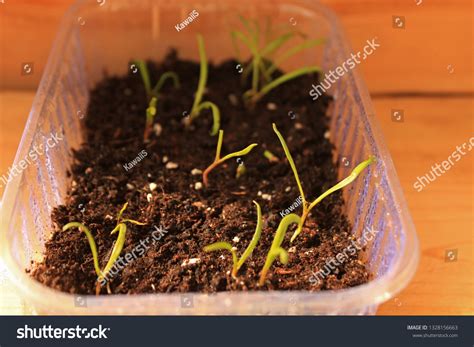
x=425, y=69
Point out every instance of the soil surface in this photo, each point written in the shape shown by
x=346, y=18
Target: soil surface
x=193, y=217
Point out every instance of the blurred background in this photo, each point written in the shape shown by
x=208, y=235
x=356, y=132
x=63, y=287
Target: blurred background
x=424, y=67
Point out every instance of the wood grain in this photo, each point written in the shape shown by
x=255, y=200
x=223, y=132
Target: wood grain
x=443, y=210
x=14, y=109
x=413, y=61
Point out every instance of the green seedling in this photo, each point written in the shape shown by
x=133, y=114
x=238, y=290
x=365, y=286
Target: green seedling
x=198, y=105
x=272, y=158
x=261, y=58
x=307, y=207
x=276, y=250
x=237, y=263
x=291, y=52
x=150, y=116
x=241, y=170
x=121, y=227
x=260, y=65
x=218, y=160
x=254, y=97
x=91, y=241
x=154, y=92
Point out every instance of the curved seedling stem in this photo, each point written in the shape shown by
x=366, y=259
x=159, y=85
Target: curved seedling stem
x=116, y=250
x=223, y=246
x=162, y=80
x=276, y=250
x=218, y=160
x=216, y=115
x=202, y=77
x=283, y=79
x=253, y=242
x=91, y=241
x=288, y=54
x=237, y=263
x=145, y=74
x=198, y=106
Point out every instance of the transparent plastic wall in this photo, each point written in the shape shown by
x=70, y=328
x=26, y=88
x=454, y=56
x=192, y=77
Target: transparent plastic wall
x=94, y=40
x=370, y=204
x=43, y=184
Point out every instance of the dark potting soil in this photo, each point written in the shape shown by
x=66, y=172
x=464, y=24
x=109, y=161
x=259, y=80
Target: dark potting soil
x=104, y=178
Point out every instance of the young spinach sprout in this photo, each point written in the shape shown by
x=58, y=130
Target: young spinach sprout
x=307, y=207
x=260, y=64
x=218, y=160
x=150, y=116
x=254, y=97
x=272, y=158
x=276, y=250
x=153, y=93
x=198, y=106
x=237, y=263
x=142, y=67
x=241, y=170
x=288, y=54
x=91, y=241
x=118, y=246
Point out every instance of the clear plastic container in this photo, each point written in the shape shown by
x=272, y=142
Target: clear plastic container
x=94, y=37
